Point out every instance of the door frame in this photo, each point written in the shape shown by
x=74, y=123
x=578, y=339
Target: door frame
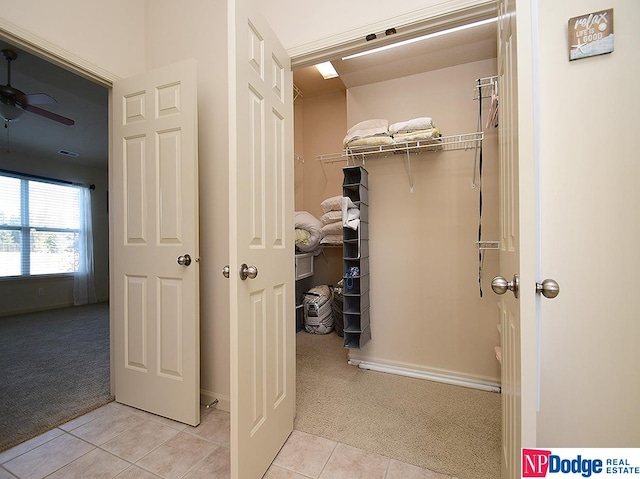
x=64, y=59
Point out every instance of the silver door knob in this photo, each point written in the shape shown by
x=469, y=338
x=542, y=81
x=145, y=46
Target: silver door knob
x=499, y=285
x=549, y=288
x=225, y=271
x=248, y=272
x=184, y=260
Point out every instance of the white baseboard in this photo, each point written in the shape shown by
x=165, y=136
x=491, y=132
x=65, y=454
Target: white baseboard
x=430, y=376
x=208, y=397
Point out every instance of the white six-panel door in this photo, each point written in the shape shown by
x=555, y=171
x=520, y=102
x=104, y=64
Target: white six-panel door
x=261, y=236
x=154, y=219
x=509, y=305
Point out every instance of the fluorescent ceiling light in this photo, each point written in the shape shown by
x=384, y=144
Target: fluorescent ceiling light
x=423, y=37
x=326, y=70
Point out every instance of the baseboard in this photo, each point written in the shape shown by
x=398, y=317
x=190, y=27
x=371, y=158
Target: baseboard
x=208, y=397
x=37, y=309
x=428, y=375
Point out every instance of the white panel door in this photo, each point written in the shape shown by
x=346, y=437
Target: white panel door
x=260, y=236
x=517, y=243
x=508, y=305
x=154, y=193
x=589, y=231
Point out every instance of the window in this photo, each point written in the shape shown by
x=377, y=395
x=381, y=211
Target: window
x=39, y=226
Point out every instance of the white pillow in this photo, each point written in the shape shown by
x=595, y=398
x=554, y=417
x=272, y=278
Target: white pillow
x=331, y=217
x=332, y=204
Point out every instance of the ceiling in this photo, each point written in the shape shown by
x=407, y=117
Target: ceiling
x=82, y=100
x=86, y=102
x=464, y=46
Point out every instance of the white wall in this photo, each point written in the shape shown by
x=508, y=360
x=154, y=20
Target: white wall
x=426, y=311
x=336, y=21
x=105, y=34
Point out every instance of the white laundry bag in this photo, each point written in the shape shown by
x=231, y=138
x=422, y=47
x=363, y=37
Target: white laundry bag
x=318, y=317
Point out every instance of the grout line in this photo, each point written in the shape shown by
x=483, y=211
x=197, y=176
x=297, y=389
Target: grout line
x=328, y=458
x=386, y=471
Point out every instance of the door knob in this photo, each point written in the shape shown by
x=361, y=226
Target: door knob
x=225, y=271
x=248, y=272
x=184, y=260
x=549, y=288
x=499, y=285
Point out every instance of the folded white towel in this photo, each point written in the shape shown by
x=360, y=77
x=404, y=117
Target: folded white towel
x=350, y=213
x=421, y=123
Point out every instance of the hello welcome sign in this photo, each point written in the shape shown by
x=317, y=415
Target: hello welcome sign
x=591, y=34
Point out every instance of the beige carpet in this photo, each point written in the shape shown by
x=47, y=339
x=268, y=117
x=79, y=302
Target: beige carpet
x=447, y=429
x=54, y=367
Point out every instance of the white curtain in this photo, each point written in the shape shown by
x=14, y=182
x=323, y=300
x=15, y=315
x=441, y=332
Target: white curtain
x=84, y=290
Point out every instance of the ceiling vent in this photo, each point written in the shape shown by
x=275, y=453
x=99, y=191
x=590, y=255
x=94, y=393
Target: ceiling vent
x=72, y=154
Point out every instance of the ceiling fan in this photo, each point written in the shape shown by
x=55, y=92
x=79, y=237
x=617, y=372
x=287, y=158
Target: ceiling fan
x=13, y=102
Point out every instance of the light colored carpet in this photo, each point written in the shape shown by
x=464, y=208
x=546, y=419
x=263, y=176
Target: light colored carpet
x=444, y=428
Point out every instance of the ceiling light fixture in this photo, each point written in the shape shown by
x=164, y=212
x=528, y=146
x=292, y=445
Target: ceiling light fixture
x=326, y=70
x=423, y=37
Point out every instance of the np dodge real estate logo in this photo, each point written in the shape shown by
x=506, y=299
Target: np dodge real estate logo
x=580, y=462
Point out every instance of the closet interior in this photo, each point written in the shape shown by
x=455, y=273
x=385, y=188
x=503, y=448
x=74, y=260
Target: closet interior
x=432, y=225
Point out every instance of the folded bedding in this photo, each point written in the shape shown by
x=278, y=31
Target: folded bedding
x=332, y=240
x=418, y=135
x=378, y=132
x=421, y=123
x=371, y=141
x=302, y=237
x=374, y=128
x=308, y=231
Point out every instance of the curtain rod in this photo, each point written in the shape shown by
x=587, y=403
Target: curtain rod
x=44, y=178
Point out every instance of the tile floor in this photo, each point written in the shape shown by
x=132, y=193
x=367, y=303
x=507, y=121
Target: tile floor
x=116, y=441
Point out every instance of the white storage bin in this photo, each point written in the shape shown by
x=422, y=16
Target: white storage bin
x=304, y=266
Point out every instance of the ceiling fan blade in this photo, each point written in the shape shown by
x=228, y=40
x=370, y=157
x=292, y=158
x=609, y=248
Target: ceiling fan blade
x=48, y=114
x=39, y=99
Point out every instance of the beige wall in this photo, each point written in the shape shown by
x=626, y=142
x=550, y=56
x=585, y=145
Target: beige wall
x=426, y=312
x=203, y=36
x=320, y=125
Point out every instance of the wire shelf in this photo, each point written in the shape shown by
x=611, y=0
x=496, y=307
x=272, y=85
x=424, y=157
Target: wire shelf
x=465, y=141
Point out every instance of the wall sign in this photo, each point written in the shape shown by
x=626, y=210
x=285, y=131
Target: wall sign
x=591, y=34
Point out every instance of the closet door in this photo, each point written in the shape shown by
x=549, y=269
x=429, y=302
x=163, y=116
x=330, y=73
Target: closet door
x=517, y=251
x=261, y=243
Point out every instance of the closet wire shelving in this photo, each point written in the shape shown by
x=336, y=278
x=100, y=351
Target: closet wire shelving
x=351, y=155
x=486, y=87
